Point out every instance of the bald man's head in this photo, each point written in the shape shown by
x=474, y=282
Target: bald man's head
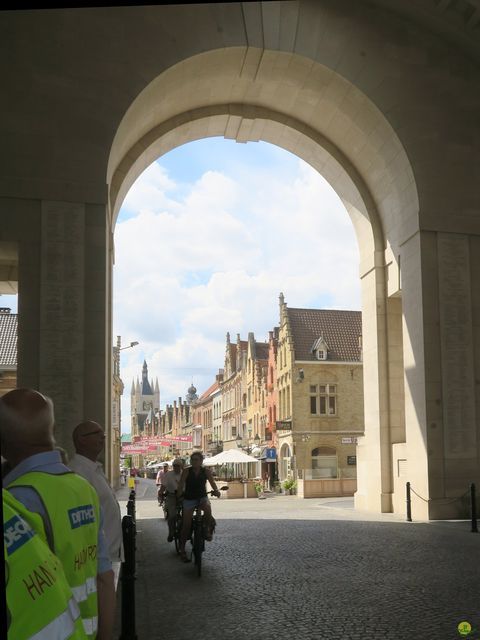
x=26, y=424
x=89, y=439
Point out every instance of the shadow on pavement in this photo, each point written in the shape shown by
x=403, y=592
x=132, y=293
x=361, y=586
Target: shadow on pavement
x=310, y=579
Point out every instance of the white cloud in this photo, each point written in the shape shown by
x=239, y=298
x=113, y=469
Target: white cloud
x=150, y=190
x=215, y=258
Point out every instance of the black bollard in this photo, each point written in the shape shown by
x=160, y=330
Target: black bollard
x=131, y=505
x=409, y=504
x=128, y=580
x=474, y=508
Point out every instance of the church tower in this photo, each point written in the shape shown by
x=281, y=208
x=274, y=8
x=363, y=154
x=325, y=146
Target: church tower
x=144, y=402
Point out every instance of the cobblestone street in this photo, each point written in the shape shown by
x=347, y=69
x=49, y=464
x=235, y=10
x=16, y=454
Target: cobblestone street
x=286, y=568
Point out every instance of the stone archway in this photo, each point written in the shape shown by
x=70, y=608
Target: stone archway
x=247, y=103
x=360, y=90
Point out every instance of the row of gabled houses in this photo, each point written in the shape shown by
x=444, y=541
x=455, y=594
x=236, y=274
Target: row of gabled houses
x=294, y=402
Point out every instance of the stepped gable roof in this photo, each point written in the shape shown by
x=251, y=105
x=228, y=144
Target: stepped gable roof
x=341, y=331
x=8, y=340
x=261, y=350
x=232, y=353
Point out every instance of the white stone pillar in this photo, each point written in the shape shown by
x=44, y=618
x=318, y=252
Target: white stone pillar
x=415, y=285
x=374, y=478
x=441, y=318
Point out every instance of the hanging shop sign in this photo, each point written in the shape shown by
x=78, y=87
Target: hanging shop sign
x=270, y=454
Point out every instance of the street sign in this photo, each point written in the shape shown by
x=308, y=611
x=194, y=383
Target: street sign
x=352, y=440
x=351, y=459
x=283, y=425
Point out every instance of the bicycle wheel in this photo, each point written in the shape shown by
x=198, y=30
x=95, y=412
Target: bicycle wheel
x=198, y=547
x=177, y=532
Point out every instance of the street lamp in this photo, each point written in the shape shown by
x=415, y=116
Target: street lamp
x=114, y=443
x=132, y=344
x=248, y=449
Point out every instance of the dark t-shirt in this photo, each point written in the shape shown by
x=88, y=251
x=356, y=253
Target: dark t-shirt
x=195, y=485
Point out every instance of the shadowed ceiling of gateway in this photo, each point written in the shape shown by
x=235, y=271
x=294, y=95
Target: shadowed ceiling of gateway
x=457, y=20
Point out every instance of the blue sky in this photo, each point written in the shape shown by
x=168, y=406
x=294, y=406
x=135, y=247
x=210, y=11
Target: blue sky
x=207, y=238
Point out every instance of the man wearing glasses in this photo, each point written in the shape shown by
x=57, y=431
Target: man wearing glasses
x=89, y=441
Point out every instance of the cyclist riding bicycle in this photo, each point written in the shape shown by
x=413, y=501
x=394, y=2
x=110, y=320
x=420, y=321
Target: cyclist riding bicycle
x=170, y=484
x=158, y=481
x=193, y=486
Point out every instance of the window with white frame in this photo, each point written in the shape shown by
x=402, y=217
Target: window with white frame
x=323, y=399
x=320, y=349
x=324, y=463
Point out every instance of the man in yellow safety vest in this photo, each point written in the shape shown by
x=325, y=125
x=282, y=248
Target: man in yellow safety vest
x=40, y=603
x=67, y=504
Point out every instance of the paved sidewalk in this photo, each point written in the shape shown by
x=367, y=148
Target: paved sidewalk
x=286, y=568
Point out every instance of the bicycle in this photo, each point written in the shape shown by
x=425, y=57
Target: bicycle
x=161, y=502
x=198, y=533
x=177, y=527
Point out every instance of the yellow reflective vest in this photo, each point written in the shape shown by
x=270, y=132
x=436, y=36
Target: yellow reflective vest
x=74, y=514
x=40, y=604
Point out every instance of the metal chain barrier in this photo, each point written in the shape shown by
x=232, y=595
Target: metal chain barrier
x=445, y=501
x=448, y=500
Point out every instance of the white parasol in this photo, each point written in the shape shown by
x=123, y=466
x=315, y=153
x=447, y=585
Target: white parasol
x=231, y=456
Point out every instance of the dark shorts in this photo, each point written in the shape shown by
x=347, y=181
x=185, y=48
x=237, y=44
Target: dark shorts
x=195, y=502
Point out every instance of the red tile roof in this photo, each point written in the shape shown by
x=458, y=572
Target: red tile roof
x=341, y=331
x=206, y=394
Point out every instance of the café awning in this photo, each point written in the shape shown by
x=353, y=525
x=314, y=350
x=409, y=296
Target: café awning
x=231, y=456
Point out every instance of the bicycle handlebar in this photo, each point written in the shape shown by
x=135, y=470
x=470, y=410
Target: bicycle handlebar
x=209, y=493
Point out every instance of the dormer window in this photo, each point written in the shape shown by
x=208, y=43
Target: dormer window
x=320, y=349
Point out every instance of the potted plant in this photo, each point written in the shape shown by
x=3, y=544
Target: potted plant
x=289, y=484
x=258, y=488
